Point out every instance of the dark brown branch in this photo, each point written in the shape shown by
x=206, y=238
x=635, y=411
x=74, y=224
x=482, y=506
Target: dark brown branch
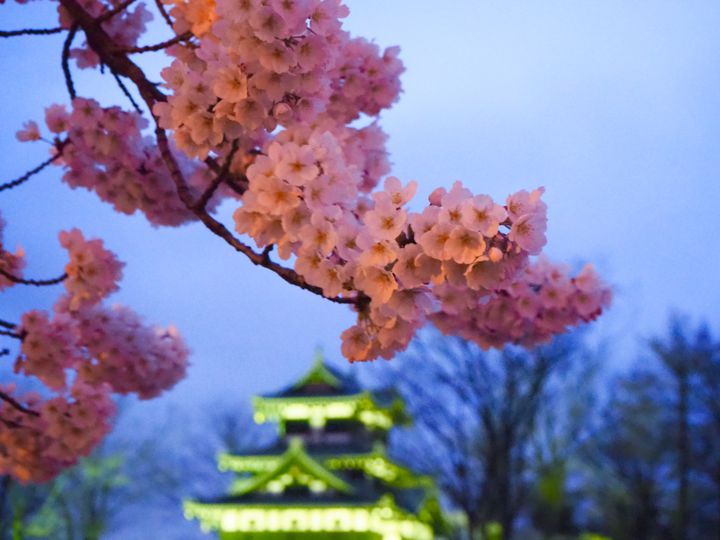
x=238, y=183
x=220, y=230
x=9, y=399
x=127, y=93
x=34, y=282
x=112, y=56
x=159, y=46
x=114, y=11
x=66, y=61
x=266, y=252
x=25, y=177
x=208, y=193
x=30, y=32
x=219, y=178
x=119, y=62
x=8, y=325
x=240, y=189
x=164, y=13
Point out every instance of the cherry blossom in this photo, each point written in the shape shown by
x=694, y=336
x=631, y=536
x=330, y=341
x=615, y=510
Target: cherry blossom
x=108, y=154
x=81, y=352
x=37, y=447
x=93, y=272
x=272, y=108
x=29, y=132
x=10, y=263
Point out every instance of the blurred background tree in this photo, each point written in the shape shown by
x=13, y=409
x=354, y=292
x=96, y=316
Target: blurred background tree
x=543, y=444
x=476, y=418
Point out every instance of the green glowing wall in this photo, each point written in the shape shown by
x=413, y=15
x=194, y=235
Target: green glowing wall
x=299, y=536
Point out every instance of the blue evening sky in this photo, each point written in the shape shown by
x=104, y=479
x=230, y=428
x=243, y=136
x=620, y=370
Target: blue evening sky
x=613, y=106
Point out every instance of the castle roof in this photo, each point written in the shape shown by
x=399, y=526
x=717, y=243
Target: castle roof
x=321, y=380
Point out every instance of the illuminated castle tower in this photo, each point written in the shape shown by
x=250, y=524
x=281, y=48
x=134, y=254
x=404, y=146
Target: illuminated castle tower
x=328, y=476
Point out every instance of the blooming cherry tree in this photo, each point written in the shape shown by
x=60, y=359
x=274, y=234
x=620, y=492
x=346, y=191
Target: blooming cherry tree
x=258, y=107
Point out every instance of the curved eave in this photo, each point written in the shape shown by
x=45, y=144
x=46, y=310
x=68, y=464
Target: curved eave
x=375, y=463
x=294, y=457
x=382, y=518
x=378, y=465
x=249, y=463
x=318, y=409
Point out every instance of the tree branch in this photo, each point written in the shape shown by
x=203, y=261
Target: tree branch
x=59, y=146
x=15, y=404
x=8, y=333
x=8, y=325
x=31, y=32
x=159, y=46
x=240, y=189
x=219, y=178
x=164, y=13
x=34, y=282
x=114, y=11
x=220, y=230
x=117, y=60
x=238, y=183
x=112, y=56
x=127, y=93
x=66, y=61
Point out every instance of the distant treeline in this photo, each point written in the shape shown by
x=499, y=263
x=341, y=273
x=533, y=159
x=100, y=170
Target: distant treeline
x=548, y=444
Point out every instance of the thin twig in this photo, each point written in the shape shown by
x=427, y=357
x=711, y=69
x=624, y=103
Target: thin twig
x=25, y=177
x=127, y=93
x=4, y=352
x=31, y=32
x=159, y=46
x=66, y=61
x=114, y=11
x=33, y=282
x=219, y=178
x=10, y=334
x=8, y=325
x=239, y=188
x=238, y=183
x=103, y=45
x=164, y=13
x=17, y=405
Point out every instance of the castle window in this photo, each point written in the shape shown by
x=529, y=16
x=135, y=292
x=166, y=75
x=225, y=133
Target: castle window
x=296, y=427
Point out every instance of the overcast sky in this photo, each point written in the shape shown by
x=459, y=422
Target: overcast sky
x=613, y=106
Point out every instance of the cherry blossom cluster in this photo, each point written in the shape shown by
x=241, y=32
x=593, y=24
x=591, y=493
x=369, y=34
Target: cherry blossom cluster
x=107, y=153
x=100, y=346
x=272, y=103
x=49, y=348
x=82, y=353
x=128, y=355
x=540, y=302
x=37, y=447
x=262, y=63
x=462, y=243
x=11, y=263
x=453, y=260
x=92, y=272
